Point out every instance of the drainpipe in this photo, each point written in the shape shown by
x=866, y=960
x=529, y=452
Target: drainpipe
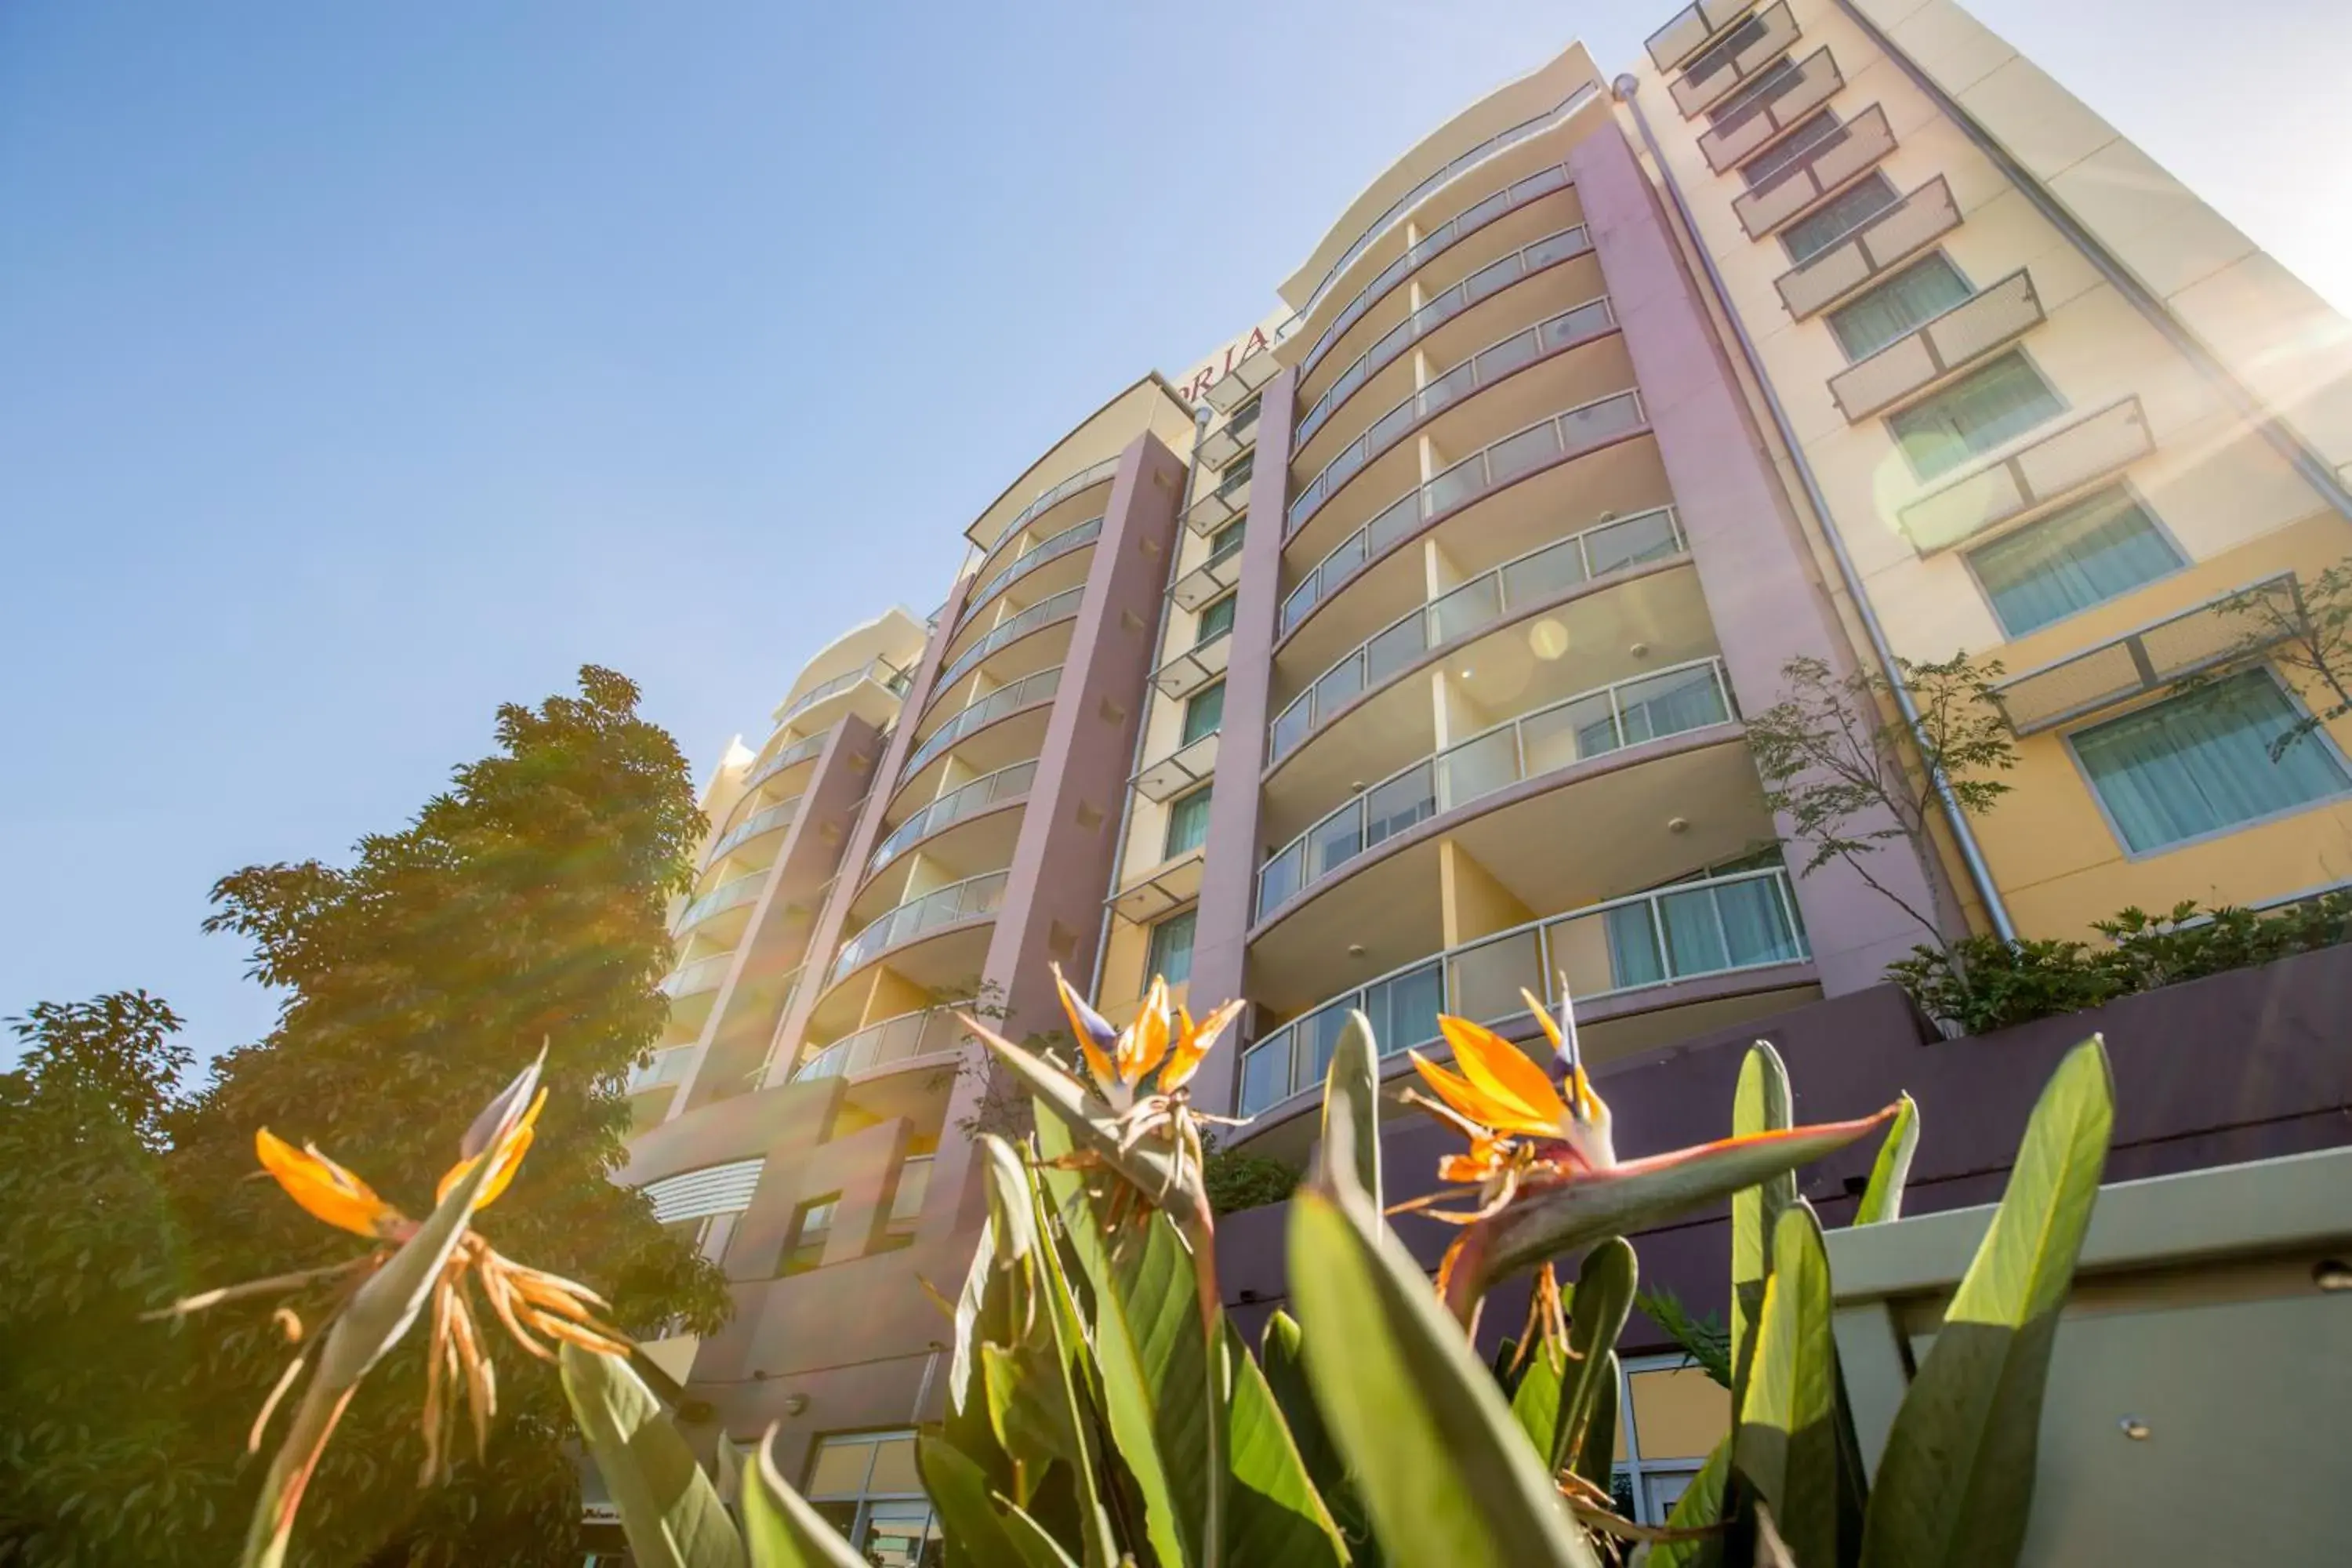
x=1143, y=709
x=1971, y=853
x=2316, y=470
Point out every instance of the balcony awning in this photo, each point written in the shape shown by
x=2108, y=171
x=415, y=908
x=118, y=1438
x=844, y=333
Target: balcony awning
x=1194, y=668
x=2222, y=630
x=1218, y=508
x=1178, y=770
x=1211, y=579
x=1226, y=393
x=1170, y=886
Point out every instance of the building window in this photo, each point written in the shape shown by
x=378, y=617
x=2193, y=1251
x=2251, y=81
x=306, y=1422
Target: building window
x=1759, y=94
x=1243, y=420
x=1204, y=712
x=1172, y=948
x=1227, y=538
x=1973, y=415
x=1672, y=1415
x=1802, y=144
x=1188, y=824
x=2086, y=555
x=811, y=1228
x=1724, y=53
x=1846, y=212
x=866, y=1487
x=1236, y=473
x=1898, y=307
x=2201, y=763
x=1216, y=620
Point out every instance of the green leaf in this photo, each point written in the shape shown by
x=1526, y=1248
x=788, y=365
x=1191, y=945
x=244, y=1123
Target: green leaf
x=1883, y=1199
x=1027, y=1411
x=1445, y=1470
x=1081, y=1379
x=671, y=1512
x=1535, y=1403
x=1274, y=1514
x=1956, y=1483
x=976, y=1533
x=1037, y=1547
x=1761, y=1103
x=783, y=1531
x=1596, y=1448
x=1786, y=1444
x=1355, y=1076
x=1282, y=1357
x=1700, y=1505
x=1604, y=1295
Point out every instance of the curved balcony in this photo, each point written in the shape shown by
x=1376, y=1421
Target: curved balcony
x=1060, y=607
x=971, y=899
x=1029, y=689
x=1536, y=256
x=982, y=794
x=1569, y=329
x=1086, y=479
x=880, y=671
x=917, y=1036
x=694, y=979
x=1707, y=926
x=752, y=826
x=1554, y=737
x=729, y=895
x=1049, y=548
x=800, y=750
x=1435, y=242
x=1490, y=599
x=1558, y=440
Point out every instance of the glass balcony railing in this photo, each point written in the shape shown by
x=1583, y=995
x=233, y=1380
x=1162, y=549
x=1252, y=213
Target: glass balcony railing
x=727, y=895
x=910, y=1036
x=881, y=672
x=1561, y=437
x=800, y=750
x=693, y=979
x=1045, y=612
x=660, y=1070
x=967, y=900
x=1085, y=479
x=1485, y=600
x=1555, y=736
x=1037, y=687
x=1036, y=555
x=751, y=827
x=1003, y=784
x=1709, y=925
x=1483, y=368
x=1484, y=284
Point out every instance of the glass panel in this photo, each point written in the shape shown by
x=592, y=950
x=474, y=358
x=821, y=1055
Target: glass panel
x=1974, y=415
x=1338, y=686
x=903, y=1535
x=1172, y=948
x=1590, y=425
x=1334, y=841
x=1487, y=978
x=1487, y=278
x=1393, y=524
x=1290, y=728
x=1341, y=563
x=1394, y=648
x=840, y=1467
x=1802, y=143
x=1680, y=1412
x=2082, y=556
x=1455, y=484
x=1695, y=944
x=1188, y=824
x=894, y=1465
x=1570, y=734
x=1503, y=357
x=1516, y=454
x=1746, y=102
x=1846, y=212
x=1392, y=807
x=1266, y=1073
x=2199, y=763
x=1554, y=248
x=1462, y=378
x=1579, y=948
x=1318, y=1036
x=1582, y=322
x=1545, y=575
x=1756, y=927
x=1634, y=957
x=1386, y=430
x=1217, y=619
x=1648, y=537
x=1670, y=703
x=1475, y=603
x=1205, y=710
x=1405, y=1007
x=1898, y=307
x=1301, y=600
x=1477, y=767
x=1280, y=878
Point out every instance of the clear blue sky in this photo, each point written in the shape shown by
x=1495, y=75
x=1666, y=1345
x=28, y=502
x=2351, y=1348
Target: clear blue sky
x=362, y=365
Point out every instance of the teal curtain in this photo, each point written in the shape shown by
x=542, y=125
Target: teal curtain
x=2084, y=555
x=1670, y=704
x=1218, y=617
x=1633, y=957
x=1847, y=211
x=1975, y=414
x=1404, y=1010
x=1172, y=948
x=1188, y=824
x=2199, y=763
x=1755, y=924
x=1898, y=307
x=1204, y=712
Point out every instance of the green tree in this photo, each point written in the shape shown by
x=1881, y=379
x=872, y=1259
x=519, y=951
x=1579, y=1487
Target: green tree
x=2304, y=629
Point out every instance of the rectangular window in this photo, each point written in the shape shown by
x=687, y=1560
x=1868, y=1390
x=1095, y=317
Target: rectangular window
x=1204, y=712
x=1228, y=538
x=1753, y=98
x=811, y=1228
x=1722, y=55
x=1172, y=948
x=1188, y=824
x=1846, y=212
x=2084, y=555
x=1802, y=144
x=1898, y=307
x=1236, y=473
x=1973, y=415
x=1243, y=420
x=2201, y=763
x=1216, y=620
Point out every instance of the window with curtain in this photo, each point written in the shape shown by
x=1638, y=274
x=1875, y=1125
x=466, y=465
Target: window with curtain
x=1172, y=948
x=2201, y=763
x=1973, y=415
x=1811, y=136
x=2084, y=555
x=1757, y=94
x=1205, y=710
x=1898, y=307
x=1216, y=620
x=1188, y=824
x=1846, y=212
x=1228, y=537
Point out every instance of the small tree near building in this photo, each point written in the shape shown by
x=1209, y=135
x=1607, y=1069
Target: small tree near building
x=2305, y=630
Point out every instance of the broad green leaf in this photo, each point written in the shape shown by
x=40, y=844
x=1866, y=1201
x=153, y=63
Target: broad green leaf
x=1081, y=1382
x=1146, y=1166
x=1596, y=1446
x=1274, y=1513
x=1535, y=1403
x=1787, y=1446
x=1037, y=1547
x=671, y=1512
x=1604, y=1295
x=1027, y=1412
x=1439, y=1461
x=1355, y=1073
x=1956, y=1483
x=1700, y=1505
x=1761, y=1103
x=1883, y=1199
x=782, y=1529
x=1282, y=1357
x=976, y=1534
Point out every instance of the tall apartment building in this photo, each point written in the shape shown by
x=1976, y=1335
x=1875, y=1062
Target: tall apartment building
x=1395, y=657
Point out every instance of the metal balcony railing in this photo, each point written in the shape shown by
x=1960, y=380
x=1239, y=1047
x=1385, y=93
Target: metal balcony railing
x=1738, y=57
x=727, y=895
x=1840, y=154
x=880, y=671
x=1060, y=607
x=1003, y=784
x=967, y=900
x=1085, y=479
x=910, y=1036
x=1037, y=687
x=1561, y=332
x=1712, y=925
x=1561, y=437
x=1871, y=249
x=1778, y=100
x=751, y=827
x=800, y=750
x=1555, y=736
x=1488, y=599
x=1970, y=330
x=664, y=1068
x=693, y=979
x=1036, y=555
x=1692, y=27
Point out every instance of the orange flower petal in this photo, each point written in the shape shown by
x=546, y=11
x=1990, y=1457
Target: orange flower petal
x=1474, y=1103
x=509, y=1158
x=1194, y=1044
x=324, y=1189
x=1145, y=1042
x=1502, y=1071
x=1094, y=1031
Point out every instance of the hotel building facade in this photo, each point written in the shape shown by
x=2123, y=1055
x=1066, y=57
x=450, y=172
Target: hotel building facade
x=1395, y=658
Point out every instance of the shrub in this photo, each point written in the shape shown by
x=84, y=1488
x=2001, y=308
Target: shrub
x=1237, y=1180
